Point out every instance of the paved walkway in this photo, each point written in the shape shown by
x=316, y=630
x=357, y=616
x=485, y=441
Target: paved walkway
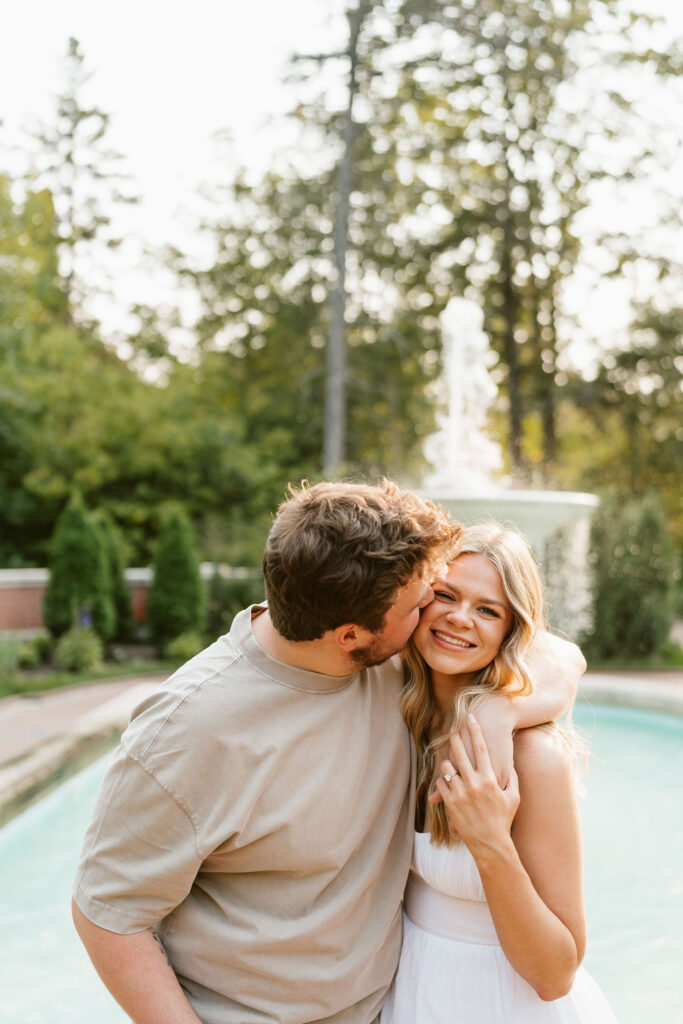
x=46, y=737
x=28, y=720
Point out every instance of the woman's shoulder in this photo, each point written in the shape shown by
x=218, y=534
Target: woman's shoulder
x=545, y=766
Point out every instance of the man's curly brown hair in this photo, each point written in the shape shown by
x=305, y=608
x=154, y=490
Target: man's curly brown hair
x=338, y=552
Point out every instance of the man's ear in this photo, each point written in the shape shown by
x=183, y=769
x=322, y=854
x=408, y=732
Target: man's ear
x=349, y=636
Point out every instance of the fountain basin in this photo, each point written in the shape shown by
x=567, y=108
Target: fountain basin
x=539, y=515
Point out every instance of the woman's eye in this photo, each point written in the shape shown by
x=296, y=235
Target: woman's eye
x=443, y=595
x=489, y=611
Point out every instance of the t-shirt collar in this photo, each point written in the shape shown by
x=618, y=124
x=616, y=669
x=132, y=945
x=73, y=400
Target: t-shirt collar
x=302, y=679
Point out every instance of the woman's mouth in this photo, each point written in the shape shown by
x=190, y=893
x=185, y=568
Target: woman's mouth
x=452, y=641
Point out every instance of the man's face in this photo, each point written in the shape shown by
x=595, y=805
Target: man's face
x=399, y=624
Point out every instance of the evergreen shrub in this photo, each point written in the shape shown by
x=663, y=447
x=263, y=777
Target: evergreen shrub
x=175, y=601
x=79, y=589
x=185, y=646
x=230, y=594
x=114, y=553
x=10, y=647
x=633, y=566
x=36, y=651
x=78, y=650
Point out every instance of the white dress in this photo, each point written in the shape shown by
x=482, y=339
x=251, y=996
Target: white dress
x=452, y=969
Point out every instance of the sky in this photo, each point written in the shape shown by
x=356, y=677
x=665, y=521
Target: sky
x=172, y=75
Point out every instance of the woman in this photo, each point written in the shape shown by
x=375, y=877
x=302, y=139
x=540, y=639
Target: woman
x=494, y=929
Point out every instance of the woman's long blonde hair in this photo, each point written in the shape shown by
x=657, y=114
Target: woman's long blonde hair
x=509, y=552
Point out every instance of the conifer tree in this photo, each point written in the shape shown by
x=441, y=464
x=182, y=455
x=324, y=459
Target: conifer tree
x=79, y=590
x=83, y=175
x=113, y=547
x=175, y=603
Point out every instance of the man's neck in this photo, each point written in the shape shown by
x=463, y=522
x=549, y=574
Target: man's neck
x=321, y=655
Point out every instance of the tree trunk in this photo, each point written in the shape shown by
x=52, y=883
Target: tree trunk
x=334, y=441
x=510, y=348
x=548, y=403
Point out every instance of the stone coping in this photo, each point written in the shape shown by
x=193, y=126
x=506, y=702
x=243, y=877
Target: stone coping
x=10, y=579
x=83, y=737
x=87, y=736
x=651, y=694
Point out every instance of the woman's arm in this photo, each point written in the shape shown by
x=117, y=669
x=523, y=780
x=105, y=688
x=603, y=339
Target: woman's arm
x=532, y=878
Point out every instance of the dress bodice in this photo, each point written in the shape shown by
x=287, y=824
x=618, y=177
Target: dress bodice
x=444, y=894
x=448, y=869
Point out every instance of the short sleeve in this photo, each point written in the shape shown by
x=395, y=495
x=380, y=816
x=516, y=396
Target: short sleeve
x=140, y=854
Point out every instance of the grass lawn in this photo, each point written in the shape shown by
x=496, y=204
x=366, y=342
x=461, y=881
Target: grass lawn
x=36, y=681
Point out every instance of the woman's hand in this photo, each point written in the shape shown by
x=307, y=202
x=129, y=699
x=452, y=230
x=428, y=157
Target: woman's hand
x=479, y=811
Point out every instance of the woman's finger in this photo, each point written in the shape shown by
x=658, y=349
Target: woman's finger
x=481, y=751
x=447, y=786
x=443, y=789
x=448, y=772
x=460, y=757
x=512, y=787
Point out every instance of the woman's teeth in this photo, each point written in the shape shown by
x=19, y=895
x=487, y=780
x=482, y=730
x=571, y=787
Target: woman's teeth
x=451, y=640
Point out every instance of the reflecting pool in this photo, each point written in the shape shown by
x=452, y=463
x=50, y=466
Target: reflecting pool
x=633, y=825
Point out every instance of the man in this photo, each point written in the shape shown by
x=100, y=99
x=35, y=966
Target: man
x=252, y=839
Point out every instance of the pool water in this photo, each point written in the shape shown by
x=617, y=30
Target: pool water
x=633, y=838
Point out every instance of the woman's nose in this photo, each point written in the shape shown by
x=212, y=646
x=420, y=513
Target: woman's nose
x=460, y=612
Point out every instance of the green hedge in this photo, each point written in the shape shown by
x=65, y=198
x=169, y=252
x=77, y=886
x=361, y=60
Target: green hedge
x=633, y=564
x=79, y=589
x=230, y=594
x=175, y=602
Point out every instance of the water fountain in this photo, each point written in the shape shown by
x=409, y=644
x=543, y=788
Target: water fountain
x=466, y=462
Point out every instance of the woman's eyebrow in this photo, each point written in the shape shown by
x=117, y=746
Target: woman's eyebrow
x=443, y=584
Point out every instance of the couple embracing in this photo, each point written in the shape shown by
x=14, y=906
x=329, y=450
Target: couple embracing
x=301, y=828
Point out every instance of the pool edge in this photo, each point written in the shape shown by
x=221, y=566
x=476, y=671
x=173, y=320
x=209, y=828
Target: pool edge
x=26, y=780
x=90, y=735
x=633, y=692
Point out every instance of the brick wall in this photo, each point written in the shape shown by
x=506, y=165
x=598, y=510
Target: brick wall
x=21, y=599
x=22, y=591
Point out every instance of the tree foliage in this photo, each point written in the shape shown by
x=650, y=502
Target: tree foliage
x=633, y=563
x=83, y=175
x=482, y=134
x=114, y=553
x=175, y=601
x=624, y=427
x=79, y=589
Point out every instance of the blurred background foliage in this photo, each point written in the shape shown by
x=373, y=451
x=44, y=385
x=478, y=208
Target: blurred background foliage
x=479, y=139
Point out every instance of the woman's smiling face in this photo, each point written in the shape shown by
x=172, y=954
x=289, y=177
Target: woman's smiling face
x=461, y=631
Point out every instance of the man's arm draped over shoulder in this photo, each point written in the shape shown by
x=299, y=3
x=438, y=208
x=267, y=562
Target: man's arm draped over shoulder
x=555, y=666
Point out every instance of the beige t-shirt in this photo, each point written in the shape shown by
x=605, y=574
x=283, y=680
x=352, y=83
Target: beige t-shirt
x=260, y=818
